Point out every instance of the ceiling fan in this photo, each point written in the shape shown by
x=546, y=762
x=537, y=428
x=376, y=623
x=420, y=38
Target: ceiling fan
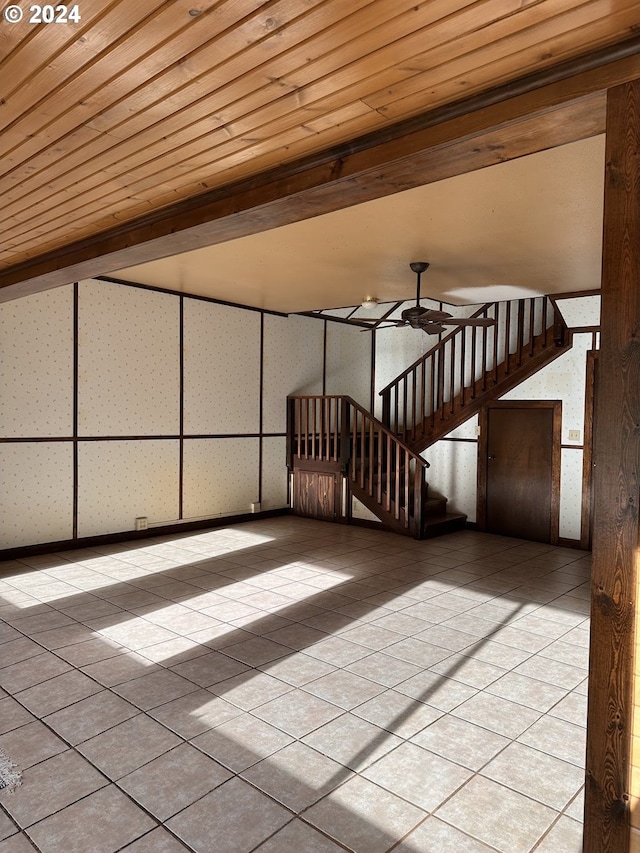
x=430, y=321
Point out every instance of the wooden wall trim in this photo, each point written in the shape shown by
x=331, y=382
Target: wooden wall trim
x=540, y=111
x=587, y=459
x=616, y=488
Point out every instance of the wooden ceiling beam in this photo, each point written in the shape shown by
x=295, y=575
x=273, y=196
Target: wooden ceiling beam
x=540, y=111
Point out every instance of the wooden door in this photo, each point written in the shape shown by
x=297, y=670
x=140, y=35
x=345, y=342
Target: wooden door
x=519, y=465
x=315, y=494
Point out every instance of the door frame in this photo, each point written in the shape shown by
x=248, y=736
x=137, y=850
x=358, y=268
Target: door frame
x=556, y=407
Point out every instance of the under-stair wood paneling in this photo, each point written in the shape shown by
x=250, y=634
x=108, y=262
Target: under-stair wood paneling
x=616, y=493
x=36, y=366
x=189, y=99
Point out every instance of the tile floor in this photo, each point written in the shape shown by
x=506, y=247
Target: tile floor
x=287, y=685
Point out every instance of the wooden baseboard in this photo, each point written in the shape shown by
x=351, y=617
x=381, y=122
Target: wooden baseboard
x=133, y=535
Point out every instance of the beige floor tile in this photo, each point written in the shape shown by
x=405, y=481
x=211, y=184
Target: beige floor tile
x=296, y=636
x=541, y=777
x=115, y=670
x=468, y=670
x=298, y=669
x=337, y=651
x=297, y=776
x=91, y=716
x=209, y=669
x=250, y=689
x=416, y=775
x=352, y=741
x=156, y=841
x=7, y=826
x=194, y=713
x=497, y=816
x=31, y=744
x=564, y=837
x=344, y=689
x=18, y=649
x=298, y=713
x=437, y=690
x=128, y=745
x=13, y=715
x=398, y=714
x=154, y=689
x=496, y=714
x=241, y=742
x=174, y=780
x=227, y=809
x=34, y=670
x=434, y=836
x=16, y=844
x=50, y=786
x=384, y=669
x=297, y=837
x=364, y=816
x=557, y=737
x=527, y=691
x=575, y=809
x=103, y=823
x=461, y=741
x=552, y=672
x=58, y=692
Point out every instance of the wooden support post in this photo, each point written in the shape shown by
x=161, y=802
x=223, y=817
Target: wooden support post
x=616, y=488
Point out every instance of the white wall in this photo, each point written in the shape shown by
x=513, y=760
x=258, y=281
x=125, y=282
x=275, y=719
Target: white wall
x=129, y=459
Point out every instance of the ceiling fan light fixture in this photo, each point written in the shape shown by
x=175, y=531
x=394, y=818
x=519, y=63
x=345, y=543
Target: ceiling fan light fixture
x=370, y=302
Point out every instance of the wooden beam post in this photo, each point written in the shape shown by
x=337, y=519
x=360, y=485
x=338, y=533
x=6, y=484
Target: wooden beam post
x=616, y=488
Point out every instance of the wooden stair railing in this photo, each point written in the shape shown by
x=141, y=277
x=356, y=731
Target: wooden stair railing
x=330, y=433
x=471, y=366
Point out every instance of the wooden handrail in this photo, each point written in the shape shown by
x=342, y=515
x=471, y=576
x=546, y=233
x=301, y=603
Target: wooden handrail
x=440, y=384
x=335, y=432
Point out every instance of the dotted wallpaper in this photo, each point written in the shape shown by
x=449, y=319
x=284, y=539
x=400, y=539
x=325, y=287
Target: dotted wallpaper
x=36, y=365
x=570, y=493
x=36, y=493
x=453, y=474
x=580, y=311
x=563, y=379
x=292, y=364
x=349, y=362
x=274, y=473
x=221, y=369
x=129, y=364
x=121, y=480
x=396, y=349
x=220, y=476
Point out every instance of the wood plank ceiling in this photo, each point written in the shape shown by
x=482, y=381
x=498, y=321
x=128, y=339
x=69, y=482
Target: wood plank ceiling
x=142, y=105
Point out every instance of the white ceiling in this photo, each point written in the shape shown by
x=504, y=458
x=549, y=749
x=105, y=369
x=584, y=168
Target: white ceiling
x=522, y=228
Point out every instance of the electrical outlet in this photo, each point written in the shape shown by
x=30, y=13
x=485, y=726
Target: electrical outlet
x=142, y=522
x=478, y=430
x=255, y=507
x=574, y=435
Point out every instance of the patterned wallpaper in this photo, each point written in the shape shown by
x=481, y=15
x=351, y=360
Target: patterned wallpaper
x=274, y=473
x=349, y=362
x=36, y=492
x=121, y=480
x=220, y=476
x=396, y=349
x=221, y=369
x=570, y=493
x=453, y=474
x=36, y=365
x=292, y=364
x=129, y=367
x=580, y=311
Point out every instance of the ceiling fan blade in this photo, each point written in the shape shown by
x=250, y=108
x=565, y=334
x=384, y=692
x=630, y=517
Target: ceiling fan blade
x=387, y=324
x=469, y=321
x=432, y=328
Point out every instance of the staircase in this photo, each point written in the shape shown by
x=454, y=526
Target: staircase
x=337, y=449
x=472, y=366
